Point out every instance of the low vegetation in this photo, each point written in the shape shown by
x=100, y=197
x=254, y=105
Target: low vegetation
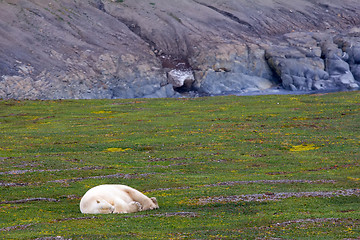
x=221, y=167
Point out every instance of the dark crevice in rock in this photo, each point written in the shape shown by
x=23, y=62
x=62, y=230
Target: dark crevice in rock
x=308, y=18
x=136, y=29
x=324, y=5
x=99, y=5
x=186, y=88
x=228, y=15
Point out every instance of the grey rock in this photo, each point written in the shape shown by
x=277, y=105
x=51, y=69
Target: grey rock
x=356, y=54
x=215, y=83
x=295, y=70
x=238, y=67
x=355, y=70
x=298, y=69
x=337, y=67
x=164, y=92
x=351, y=46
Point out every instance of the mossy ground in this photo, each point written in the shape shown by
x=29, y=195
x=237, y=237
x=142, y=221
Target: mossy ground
x=180, y=151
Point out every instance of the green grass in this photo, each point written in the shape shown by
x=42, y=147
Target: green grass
x=182, y=151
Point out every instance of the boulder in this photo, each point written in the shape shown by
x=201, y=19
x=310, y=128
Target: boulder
x=350, y=45
x=216, y=83
x=337, y=67
x=231, y=68
x=296, y=71
x=181, y=78
x=311, y=62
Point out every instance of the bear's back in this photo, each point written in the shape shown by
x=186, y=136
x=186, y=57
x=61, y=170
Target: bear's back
x=109, y=192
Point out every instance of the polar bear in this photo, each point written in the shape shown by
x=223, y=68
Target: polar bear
x=115, y=198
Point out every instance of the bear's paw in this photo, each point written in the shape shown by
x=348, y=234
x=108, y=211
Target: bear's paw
x=138, y=205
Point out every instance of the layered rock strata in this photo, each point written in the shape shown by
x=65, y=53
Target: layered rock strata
x=131, y=49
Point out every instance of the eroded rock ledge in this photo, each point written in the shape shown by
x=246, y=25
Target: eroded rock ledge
x=130, y=49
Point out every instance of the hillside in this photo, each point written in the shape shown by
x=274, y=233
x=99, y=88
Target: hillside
x=74, y=49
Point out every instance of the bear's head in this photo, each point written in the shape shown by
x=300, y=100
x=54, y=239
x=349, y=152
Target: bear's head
x=155, y=204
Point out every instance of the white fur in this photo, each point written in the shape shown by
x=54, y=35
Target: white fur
x=114, y=198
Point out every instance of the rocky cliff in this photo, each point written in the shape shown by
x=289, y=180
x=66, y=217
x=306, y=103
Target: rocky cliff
x=159, y=48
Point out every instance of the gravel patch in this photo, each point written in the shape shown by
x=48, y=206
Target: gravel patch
x=277, y=196
x=17, y=172
x=309, y=220
x=181, y=214
x=30, y=200
x=117, y=175
x=13, y=184
x=284, y=181
x=53, y=238
x=232, y=183
x=16, y=227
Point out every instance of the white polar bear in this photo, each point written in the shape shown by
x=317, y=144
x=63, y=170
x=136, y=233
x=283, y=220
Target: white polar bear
x=114, y=198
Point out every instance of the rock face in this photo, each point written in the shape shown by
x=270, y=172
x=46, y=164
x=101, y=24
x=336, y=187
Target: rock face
x=129, y=49
x=73, y=49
